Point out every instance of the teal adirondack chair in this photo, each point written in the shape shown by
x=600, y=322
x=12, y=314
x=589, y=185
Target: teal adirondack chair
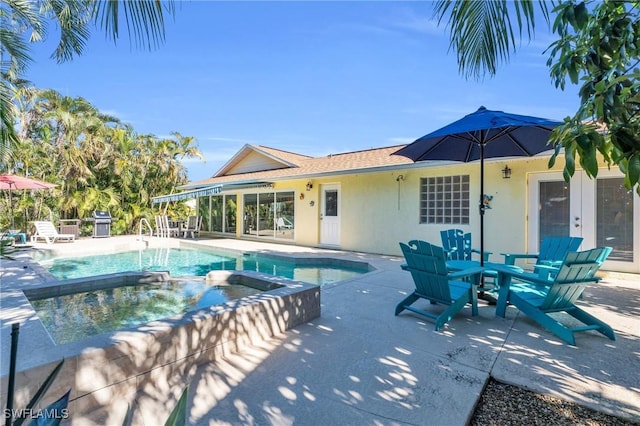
x=550, y=256
x=537, y=297
x=457, y=245
x=426, y=262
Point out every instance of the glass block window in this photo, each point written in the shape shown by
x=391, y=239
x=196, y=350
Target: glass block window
x=444, y=199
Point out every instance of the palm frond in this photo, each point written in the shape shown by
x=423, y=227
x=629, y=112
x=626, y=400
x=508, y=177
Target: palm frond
x=144, y=19
x=74, y=17
x=482, y=32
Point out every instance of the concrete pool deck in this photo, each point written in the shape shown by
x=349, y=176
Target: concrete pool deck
x=359, y=364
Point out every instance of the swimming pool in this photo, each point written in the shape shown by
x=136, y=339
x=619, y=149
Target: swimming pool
x=184, y=262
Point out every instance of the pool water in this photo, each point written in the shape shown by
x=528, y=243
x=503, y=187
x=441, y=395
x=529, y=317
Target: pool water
x=75, y=316
x=182, y=262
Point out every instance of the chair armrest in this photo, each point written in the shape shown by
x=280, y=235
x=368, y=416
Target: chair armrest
x=549, y=264
x=458, y=274
x=510, y=258
x=545, y=271
x=478, y=270
x=523, y=276
x=485, y=256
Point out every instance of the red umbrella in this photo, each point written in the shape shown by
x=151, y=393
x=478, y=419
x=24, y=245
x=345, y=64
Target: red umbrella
x=20, y=182
x=11, y=182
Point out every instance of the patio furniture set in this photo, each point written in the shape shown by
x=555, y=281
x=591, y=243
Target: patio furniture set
x=68, y=230
x=44, y=230
x=166, y=227
x=448, y=276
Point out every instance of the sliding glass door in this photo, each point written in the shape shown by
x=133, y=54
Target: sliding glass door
x=269, y=214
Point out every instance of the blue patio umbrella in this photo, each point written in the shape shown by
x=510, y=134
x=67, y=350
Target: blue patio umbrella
x=483, y=134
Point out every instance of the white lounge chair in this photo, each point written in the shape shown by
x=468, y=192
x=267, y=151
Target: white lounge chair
x=46, y=231
x=193, y=226
x=283, y=223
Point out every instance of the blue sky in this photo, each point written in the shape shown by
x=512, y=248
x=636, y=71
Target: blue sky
x=309, y=77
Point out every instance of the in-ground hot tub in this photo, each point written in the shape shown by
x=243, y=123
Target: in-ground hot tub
x=77, y=315
x=108, y=371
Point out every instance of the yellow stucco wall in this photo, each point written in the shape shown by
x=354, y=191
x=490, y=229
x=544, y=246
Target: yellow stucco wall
x=378, y=210
x=306, y=211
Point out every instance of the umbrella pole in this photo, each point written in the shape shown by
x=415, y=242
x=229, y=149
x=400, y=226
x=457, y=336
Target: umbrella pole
x=481, y=293
x=13, y=226
x=482, y=206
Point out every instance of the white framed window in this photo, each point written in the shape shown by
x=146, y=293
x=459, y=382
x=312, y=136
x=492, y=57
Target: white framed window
x=444, y=200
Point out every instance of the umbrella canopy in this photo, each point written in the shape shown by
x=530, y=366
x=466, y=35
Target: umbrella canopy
x=20, y=182
x=10, y=182
x=483, y=134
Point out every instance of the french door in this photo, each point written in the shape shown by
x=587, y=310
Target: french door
x=601, y=211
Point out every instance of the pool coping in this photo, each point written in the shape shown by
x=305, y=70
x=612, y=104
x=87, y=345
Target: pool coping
x=248, y=321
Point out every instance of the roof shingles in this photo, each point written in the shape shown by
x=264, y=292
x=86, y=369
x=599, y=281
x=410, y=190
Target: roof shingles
x=343, y=162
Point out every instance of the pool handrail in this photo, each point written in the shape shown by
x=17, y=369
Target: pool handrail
x=144, y=221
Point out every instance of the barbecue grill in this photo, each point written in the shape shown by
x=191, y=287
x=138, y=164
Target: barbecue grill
x=101, y=224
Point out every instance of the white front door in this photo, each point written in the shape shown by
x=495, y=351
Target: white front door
x=330, y=215
x=601, y=211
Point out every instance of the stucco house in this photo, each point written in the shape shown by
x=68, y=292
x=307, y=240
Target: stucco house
x=370, y=200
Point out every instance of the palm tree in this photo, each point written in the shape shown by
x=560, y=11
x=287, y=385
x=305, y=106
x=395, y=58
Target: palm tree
x=185, y=147
x=144, y=21
x=98, y=162
x=71, y=123
x=14, y=57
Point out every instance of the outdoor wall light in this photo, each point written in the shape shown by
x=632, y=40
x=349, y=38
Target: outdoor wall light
x=302, y=196
x=506, y=172
x=309, y=186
